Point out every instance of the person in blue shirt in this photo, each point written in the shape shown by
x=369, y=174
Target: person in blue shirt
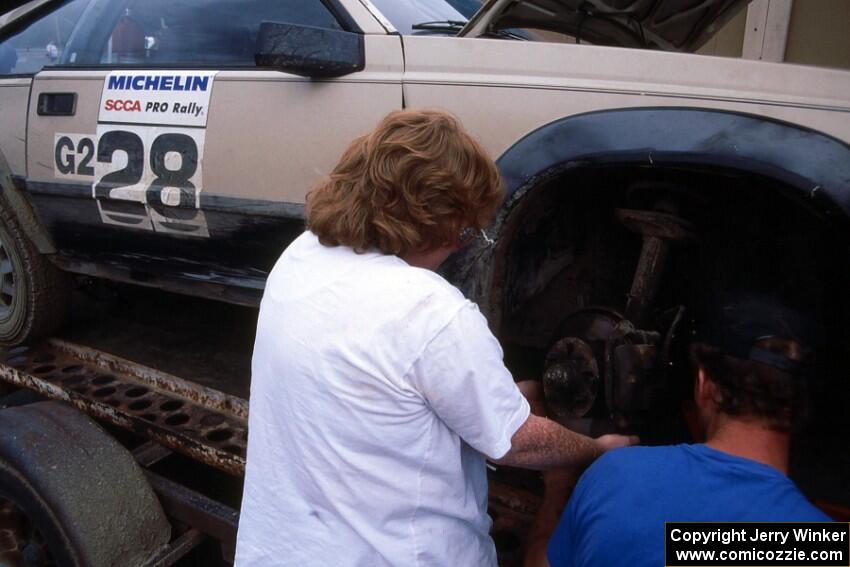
x=749, y=390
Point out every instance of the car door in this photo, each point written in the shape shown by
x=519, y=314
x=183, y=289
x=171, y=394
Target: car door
x=23, y=52
x=158, y=152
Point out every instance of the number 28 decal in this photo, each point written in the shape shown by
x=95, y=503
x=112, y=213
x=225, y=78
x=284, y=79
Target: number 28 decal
x=145, y=178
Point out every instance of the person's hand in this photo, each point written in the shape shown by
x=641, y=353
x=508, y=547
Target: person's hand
x=614, y=441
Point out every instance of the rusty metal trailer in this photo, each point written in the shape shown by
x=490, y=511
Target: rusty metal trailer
x=164, y=415
x=170, y=413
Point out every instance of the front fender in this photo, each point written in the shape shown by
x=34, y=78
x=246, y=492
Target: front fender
x=802, y=158
x=815, y=164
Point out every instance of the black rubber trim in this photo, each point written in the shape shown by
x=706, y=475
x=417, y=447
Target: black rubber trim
x=222, y=203
x=27, y=19
x=343, y=17
x=812, y=162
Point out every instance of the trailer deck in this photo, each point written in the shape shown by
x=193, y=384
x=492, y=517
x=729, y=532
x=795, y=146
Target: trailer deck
x=189, y=434
x=169, y=377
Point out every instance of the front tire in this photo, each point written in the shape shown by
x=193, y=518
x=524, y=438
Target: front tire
x=33, y=292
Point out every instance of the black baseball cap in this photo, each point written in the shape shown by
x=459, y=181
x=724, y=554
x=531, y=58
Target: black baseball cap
x=738, y=320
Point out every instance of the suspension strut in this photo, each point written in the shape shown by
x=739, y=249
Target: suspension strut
x=658, y=228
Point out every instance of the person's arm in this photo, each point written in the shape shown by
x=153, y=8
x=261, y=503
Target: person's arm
x=558, y=485
x=542, y=444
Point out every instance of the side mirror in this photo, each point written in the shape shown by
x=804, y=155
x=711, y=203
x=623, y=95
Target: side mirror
x=309, y=51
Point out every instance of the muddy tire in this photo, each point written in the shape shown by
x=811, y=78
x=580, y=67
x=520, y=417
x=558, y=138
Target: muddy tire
x=70, y=495
x=33, y=292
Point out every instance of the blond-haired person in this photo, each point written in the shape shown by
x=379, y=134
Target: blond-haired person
x=377, y=389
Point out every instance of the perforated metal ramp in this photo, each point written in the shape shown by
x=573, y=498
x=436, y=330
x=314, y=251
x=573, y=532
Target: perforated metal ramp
x=202, y=423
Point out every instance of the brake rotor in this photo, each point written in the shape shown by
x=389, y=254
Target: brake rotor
x=571, y=378
x=571, y=375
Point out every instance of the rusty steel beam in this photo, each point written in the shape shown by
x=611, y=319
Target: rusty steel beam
x=194, y=509
x=177, y=549
x=205, y=425
x=150, y=453
x=207, y=397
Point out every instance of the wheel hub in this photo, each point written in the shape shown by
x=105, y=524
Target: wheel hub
x=21, y=543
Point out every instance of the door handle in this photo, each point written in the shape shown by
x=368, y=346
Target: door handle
x=57, y=104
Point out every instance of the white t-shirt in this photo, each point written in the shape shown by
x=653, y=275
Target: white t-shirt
x=376, y=391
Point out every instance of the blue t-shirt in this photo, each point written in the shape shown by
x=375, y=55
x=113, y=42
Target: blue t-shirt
x=617, y=512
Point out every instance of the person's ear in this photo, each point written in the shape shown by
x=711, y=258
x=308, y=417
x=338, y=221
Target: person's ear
x=703, y=388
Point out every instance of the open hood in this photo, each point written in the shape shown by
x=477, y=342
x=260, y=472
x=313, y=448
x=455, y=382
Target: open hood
x=674, y=25
x=14, y=9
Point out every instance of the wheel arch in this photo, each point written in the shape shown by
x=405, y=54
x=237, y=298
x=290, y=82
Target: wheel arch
x=13, y=197
x=813, y=164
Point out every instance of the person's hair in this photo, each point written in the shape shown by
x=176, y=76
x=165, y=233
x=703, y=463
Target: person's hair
x=748, y=388
x=410, y=185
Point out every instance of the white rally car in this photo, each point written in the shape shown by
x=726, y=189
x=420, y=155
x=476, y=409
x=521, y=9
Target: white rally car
x=171, y=144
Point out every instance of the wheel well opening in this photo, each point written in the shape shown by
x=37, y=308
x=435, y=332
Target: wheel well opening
x=562, y=249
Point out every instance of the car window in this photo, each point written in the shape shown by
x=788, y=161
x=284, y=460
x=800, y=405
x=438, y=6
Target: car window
x=152, y=32
x=187, y=32
x=466, y=7
x=26, y=49
x=403, y=14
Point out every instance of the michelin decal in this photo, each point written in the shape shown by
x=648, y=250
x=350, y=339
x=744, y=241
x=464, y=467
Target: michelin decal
x=179, y=98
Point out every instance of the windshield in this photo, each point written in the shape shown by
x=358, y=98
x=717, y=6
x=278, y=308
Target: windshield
x=403, y=14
